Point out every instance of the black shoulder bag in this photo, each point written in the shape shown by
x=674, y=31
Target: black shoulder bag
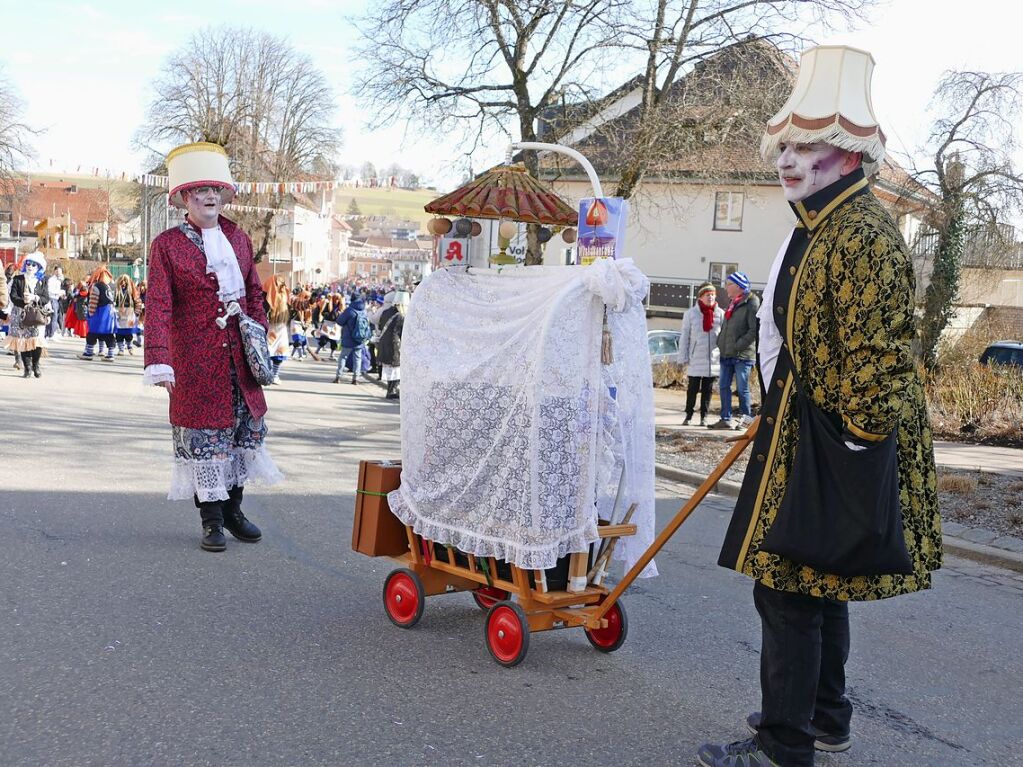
x=840, y=513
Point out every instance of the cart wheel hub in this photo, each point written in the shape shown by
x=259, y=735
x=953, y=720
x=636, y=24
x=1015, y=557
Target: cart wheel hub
x=500, y=635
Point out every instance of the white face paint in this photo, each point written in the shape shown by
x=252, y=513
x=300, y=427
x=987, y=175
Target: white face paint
x=807, y=168
x=203, y=205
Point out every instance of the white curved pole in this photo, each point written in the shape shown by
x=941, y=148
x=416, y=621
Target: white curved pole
x=598, y=191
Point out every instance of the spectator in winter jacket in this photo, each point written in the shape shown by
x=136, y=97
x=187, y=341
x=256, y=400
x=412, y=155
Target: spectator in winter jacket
x=737, y=344
x=698, y=350
x=355, y=334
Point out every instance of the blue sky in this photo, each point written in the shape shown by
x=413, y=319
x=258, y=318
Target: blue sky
x=84, y=68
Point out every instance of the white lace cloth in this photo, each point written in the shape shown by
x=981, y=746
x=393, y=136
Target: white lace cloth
x=155, y=374
x=510, y=435
x=210, y=480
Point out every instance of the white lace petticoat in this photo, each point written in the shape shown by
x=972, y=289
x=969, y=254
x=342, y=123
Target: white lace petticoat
x=210, y=480
x=209, y=462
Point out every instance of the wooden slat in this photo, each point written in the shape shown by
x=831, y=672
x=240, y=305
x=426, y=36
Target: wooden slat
x=741, y=443
x=615, y=531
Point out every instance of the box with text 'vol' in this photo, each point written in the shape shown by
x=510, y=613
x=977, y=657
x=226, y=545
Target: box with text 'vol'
x=376, y=532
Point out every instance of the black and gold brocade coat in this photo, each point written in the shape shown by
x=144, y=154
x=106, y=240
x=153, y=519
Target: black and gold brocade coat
x=844, y=306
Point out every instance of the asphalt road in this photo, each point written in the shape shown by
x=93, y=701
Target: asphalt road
x=121, y=643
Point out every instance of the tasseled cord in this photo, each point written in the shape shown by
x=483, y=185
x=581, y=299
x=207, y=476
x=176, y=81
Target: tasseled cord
x=606, y=350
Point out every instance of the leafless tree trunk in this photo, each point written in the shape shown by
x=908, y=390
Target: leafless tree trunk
x=253, y=94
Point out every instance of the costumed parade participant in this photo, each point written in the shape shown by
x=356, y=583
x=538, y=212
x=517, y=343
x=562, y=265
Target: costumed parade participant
x=277, y=313
x=77, y=320
x=30, y=303
x=128, y=306
x=102, y=316
x=216, y=405
x=843, y=434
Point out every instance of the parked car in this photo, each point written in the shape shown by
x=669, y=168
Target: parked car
x=663, y=345
x=1003, y=353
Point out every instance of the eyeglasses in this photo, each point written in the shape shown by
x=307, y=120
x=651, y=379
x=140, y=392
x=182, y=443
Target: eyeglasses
x=203, y=190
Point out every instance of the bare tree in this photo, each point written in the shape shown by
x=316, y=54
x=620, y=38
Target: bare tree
x=254, y=94
x=478, y=67
x=974, y=178
x=504, y=65
x=14, y=137
x=673, y=36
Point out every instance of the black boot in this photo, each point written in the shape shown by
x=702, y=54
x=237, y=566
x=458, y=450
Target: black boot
x=355, y=379
x=235, y=522
x=26, y=364
x=392, y=390
x=36, y=354
x=212, y=515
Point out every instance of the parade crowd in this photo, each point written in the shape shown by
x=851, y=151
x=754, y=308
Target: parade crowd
x=359, y=323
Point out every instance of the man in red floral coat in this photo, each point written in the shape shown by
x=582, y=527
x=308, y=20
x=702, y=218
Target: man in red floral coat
x=216, y=406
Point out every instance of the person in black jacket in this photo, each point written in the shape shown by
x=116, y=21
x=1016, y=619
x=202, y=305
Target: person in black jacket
x=392, y=322
x=28, y=288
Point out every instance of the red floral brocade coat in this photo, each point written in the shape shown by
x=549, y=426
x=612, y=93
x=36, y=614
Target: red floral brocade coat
x=182, y=307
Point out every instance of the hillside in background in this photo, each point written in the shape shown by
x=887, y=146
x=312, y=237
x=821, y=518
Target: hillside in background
x=398, y=203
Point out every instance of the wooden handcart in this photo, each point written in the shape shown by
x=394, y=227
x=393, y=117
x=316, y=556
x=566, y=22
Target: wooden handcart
x=519, y=604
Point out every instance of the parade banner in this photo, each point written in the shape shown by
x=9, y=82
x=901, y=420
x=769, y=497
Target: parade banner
x=601, y=228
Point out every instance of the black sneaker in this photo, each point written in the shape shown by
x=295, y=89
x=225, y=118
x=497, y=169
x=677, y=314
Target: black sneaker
x=689, y=420
x=742, y=753
x=213, y=538
x=822, y=741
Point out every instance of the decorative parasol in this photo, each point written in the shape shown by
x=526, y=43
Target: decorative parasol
x=507, y=192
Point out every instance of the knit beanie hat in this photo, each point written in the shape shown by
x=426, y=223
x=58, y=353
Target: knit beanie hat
x=739, y=279
x=705, y=288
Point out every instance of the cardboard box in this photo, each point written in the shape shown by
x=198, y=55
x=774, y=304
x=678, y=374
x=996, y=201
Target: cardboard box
x=376, y=532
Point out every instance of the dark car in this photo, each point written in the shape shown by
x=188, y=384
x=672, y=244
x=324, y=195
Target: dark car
x=1003, y=353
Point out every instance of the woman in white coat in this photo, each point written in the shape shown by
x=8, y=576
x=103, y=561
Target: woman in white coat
x=698, y=349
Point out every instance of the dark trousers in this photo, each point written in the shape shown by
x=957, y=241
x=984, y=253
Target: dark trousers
x=805, y=645
x=705, y=386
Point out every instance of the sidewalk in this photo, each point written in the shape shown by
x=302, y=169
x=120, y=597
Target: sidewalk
x=974, y=543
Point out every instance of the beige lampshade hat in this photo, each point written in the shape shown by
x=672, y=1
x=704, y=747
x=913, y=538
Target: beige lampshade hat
x=199, y=164
x=831, y=103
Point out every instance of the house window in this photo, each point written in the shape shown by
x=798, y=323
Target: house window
x=718, y=272
x=728, y=211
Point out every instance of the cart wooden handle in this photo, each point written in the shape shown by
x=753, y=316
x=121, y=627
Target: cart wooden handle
x=741, y=443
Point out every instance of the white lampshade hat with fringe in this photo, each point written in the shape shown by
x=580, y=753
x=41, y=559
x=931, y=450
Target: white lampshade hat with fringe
x=830, y=103
x=199, y=164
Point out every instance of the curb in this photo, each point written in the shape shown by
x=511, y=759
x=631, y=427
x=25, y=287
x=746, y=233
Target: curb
x=723, y=487
x=978, y=552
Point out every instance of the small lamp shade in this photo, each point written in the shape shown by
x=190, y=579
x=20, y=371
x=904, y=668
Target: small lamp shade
x=508, y=229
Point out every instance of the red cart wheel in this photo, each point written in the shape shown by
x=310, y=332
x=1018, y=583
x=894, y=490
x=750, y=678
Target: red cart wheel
x=404, y=598
x=611, y=638
x=488, y=596
x=507, y=633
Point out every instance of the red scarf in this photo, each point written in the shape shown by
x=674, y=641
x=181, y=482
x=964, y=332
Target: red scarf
x=708, y=316
x=731, y=307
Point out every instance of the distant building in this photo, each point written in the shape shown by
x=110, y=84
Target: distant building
x=62, y=219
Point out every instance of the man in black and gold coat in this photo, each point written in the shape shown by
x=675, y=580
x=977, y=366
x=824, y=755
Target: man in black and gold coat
x=837, y=320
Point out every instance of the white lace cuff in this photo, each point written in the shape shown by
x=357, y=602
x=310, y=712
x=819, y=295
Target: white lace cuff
x=157, y=374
